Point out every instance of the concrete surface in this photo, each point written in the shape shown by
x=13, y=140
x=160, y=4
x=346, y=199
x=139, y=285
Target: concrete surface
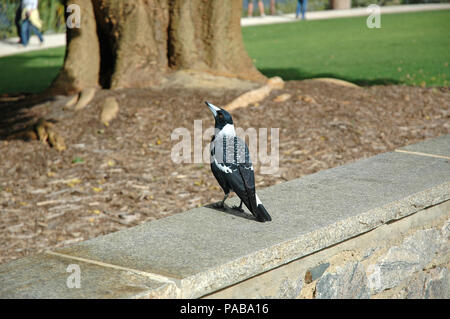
x=437, y=147
x=46, y=276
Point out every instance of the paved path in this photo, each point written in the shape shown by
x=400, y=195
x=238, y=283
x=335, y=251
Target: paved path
x=10, y=46
x=330, y=14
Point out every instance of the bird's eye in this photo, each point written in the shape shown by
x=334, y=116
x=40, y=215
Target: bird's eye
x=221, y=116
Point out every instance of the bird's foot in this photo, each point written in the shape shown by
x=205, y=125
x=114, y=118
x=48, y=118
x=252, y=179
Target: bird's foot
x=219, y=205
x=238, y=208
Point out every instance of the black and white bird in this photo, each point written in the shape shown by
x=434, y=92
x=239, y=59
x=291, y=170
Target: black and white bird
x=232, y=166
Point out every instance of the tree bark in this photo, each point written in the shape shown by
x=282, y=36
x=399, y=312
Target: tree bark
x=82, y=60
x=138, y=43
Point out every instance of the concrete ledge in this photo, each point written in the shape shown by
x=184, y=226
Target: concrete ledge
x=438, y=148
x=201, y=251
x=46, y=276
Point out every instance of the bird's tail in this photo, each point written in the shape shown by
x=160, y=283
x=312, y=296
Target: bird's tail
x=260, y=211
x=254, y=204
x=261, y=214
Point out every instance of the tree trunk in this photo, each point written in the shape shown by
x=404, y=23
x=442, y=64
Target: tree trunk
x=341, y=4
x=82, y=61
x=138, y=43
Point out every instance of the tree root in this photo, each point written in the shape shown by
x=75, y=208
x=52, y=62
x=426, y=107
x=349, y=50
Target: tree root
x=256, y=95
x=336, y=82
x=110, y=109
x=47, y=134
x=80, y=101
x=43, y=131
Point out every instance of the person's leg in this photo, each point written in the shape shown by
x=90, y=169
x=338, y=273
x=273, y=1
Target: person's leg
x=250, y=8
x=37, y=32
x=304, y=5
x=297, y=11
x=272, y=7
x=28, y=31
x=18, y=24
x=261, y=8
x=24, y=30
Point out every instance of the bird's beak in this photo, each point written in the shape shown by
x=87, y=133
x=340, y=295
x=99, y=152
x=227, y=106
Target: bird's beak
x=213, y=108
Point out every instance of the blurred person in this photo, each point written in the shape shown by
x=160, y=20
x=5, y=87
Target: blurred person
x=250, y=8
x=301, y=8
x=18, y=19
x=30, y=21
x=272, y=7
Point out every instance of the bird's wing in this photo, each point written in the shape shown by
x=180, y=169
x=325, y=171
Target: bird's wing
x=242, y=182
x=220, y=177
x=240, y=177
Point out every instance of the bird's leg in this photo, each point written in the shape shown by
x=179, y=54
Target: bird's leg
x=239, y=208
x=222, y=203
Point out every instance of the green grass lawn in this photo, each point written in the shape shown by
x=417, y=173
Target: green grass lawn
x=30, y=72
x=410, y=48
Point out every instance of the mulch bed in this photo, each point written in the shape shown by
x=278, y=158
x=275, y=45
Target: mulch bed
x=111, y=178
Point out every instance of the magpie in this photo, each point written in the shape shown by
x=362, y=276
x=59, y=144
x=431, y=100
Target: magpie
x=232, y=166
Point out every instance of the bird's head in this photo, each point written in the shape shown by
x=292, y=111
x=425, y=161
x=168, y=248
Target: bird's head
x=221, y=117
